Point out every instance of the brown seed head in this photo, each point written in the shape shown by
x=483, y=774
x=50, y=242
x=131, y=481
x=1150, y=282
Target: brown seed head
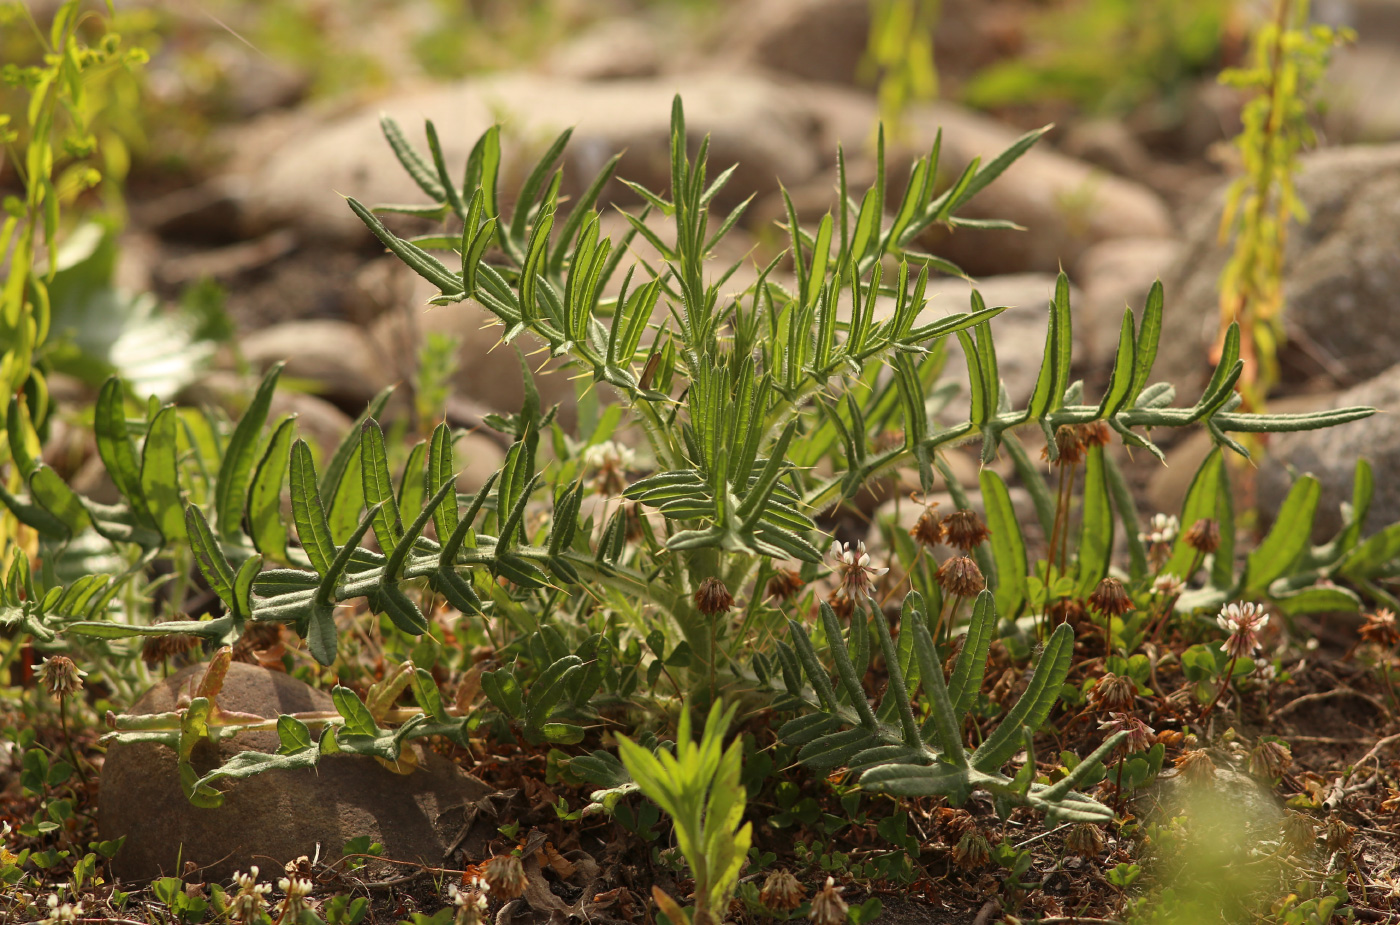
x=1066, y=610
x=1268, y=760
x=505, y=876
x=1110, y=598
x=928, y=529
x=972, y=851
x=1204, y=535
x=1299, y=832
x=1140, y=735
x=60, y=676
x=1391, y=803
x=1336, y=835
x=961, y=577
x=1094, y=433
x=713, y=597
x=781, y=892
x=156, y=649
x=828, y=908
x=1113, y=694
x=1380, y=628
x=964, y=530
x=1085, y=840
x=1195, y=766
x=784, y=584
x=1070, y=443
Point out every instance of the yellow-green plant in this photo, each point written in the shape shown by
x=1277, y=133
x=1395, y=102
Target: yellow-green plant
x=57, y=157
x=900, y=54
x=1288, y=60
x=699, y=788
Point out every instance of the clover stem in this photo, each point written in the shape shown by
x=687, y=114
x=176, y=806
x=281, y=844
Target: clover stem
x=1225, y=682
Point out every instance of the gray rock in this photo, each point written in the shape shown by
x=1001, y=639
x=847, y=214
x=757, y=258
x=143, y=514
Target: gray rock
x=751, y=120
x=1064, y=204
x=826, y=40
x=1331, y=456
x=1114, y=275
x=318, y=421
x=488, y=373
x=1232, y=805
x=611, y=50
x=1361, y=104
x=1342, y=271
x=341, y=361
x=1018, y=332
x=275, y=817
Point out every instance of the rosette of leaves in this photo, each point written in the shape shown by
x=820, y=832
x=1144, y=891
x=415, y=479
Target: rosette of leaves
x=888, y=746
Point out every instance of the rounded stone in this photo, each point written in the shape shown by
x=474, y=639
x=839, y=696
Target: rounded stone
x=276, y=816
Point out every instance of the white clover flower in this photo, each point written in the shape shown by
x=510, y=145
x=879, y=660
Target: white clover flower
x=857, y=574
x=1162, y=529
x=61, y=913
x=297, y=889
x=1168, y=585
x=1243, y=622
x=610, y=461
x=470, y=903
x=249, y=903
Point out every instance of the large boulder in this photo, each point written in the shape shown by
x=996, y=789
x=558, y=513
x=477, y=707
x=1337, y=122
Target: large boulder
x=1342, y=273
x=1064, y=205
x=1114, y=275
x=277, y=816
x=1331, y=456
x=826, y=41
x=751, y=120
x=336, y=358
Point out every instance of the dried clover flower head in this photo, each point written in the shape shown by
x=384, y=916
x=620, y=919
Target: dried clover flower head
x=781, y=891
x=1336, y=835
x=1204, y=535
x=1085, y=840
x=828, y=908
x=1161, y=530
x=853, y=565
x=1299, y=832
x=1269, y=759
x=928, y=529
x=1113, y=694
x=60, y=676
x=156, y=649
x=1140, y=735
x=250, y=902
x=1196, y=766
x=1110, y=598
x=1243, y=622
x=505, y=875
x=1070, y=444
x=972, y=851
x=960, y=577
x=784, y=584
x=1380, y=628
x=713, y=597
x=965, y=530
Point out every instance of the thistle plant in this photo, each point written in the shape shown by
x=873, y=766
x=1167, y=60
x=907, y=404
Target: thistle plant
x=736, y=418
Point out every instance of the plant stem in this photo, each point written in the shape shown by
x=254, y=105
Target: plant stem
x=68, y=740
x=1229, y=674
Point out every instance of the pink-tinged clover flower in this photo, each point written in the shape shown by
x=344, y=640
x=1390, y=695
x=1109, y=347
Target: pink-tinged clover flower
x=1243, y=622
x=1140, y=735
x=853, y=565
